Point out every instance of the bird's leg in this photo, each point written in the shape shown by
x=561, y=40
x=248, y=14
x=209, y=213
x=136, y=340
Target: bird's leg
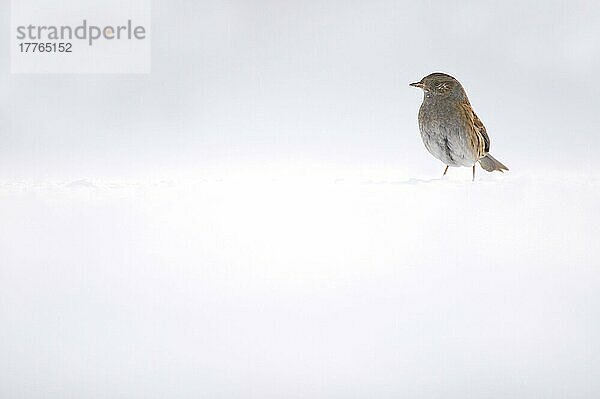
x=473, y=172
x=445, y=170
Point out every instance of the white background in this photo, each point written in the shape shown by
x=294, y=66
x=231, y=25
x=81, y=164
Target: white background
x=259, y=218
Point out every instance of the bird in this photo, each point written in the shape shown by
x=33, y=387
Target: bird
x=451, y=131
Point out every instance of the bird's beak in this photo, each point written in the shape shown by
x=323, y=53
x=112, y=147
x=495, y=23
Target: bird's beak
x=417, y=84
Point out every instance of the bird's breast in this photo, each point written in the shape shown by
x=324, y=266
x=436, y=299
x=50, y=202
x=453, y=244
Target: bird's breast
x=444, y=134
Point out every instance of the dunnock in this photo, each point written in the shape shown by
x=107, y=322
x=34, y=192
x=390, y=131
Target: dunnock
x=449, y=127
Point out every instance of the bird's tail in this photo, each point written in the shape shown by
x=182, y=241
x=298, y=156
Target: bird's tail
x=491, y=164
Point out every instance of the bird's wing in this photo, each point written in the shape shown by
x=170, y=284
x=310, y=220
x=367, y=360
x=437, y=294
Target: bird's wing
x=479, y=137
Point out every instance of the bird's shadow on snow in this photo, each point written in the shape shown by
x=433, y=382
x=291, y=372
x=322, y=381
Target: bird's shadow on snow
x=432, y=181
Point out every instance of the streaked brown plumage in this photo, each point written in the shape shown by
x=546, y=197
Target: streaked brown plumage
x=451, y=131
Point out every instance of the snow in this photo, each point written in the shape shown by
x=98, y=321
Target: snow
x=301, y=287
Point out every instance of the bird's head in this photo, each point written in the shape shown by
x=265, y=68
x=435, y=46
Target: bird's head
x=440, y=85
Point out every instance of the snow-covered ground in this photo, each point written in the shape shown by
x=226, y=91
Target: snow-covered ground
x=301, y=288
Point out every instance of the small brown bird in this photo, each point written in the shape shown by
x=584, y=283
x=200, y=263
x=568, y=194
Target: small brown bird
x=449, y=127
